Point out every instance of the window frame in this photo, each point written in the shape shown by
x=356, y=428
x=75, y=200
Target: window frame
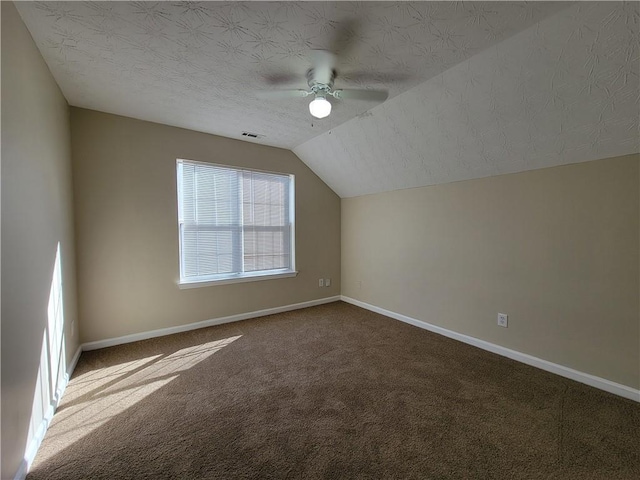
x=235, y=277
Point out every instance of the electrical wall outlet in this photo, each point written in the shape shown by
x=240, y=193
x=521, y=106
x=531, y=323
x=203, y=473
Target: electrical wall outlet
x=327, y=282
x=503, y=320
x=321, y=282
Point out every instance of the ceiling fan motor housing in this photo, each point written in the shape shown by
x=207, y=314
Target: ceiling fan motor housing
x=318, y=86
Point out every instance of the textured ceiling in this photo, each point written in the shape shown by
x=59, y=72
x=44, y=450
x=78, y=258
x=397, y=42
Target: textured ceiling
x=476, y=88
x=197, y=64
x=563, y=91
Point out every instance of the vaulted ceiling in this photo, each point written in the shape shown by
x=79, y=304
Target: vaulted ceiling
x=563, y=91
x=476, y=88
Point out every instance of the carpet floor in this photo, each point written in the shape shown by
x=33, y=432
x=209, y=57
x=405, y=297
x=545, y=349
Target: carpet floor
x=328, y=392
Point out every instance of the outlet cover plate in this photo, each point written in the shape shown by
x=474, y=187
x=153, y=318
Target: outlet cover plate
x=503, y=320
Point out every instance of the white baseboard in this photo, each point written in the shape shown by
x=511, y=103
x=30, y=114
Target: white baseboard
x=23, y=469
x=586, y=378
x=32, y=449
x=110, y=342
x=74, y=362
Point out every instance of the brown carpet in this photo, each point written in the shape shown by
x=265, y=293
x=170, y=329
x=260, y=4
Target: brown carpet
x=333, y=391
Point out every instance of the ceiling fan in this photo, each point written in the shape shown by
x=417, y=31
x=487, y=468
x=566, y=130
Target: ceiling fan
x=320, y=78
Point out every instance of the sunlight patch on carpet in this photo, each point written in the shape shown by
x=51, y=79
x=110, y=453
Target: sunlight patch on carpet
x=95, y=397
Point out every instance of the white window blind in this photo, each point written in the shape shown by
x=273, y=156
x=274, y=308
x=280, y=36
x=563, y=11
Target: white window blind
x=233, y=223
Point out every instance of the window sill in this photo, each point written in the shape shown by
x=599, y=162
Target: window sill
x=225, y=281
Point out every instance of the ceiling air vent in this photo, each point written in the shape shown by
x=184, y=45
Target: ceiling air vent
x=252, y=135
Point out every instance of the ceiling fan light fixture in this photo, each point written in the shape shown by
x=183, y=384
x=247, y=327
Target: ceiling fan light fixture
x=320, y=107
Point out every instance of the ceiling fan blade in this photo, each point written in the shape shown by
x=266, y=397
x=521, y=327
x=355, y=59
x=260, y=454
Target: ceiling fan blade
x=375, y=77
x=372, y=95
x=277, y=94
x=324, y=63
x=344, y=39
x=280, y=78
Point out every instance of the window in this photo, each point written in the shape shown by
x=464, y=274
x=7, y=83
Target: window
x=234, y=224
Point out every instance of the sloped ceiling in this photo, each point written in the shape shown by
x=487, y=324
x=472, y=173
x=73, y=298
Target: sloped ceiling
x=198, y=65
x=476, y=88
x=565, y=90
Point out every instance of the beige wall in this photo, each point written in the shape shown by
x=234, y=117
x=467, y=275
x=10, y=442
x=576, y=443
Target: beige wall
x=127, y=237
x=36, y=215
x=555, y=249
